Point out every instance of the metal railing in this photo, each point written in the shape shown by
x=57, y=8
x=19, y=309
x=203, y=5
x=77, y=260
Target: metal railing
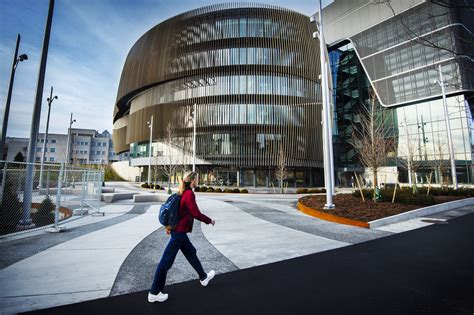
x=59, y=192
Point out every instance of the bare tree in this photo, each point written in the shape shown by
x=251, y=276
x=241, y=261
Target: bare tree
x=409, y=157
x=281, y=169
x=441, y=161
x=372, y=139
x=170, y=164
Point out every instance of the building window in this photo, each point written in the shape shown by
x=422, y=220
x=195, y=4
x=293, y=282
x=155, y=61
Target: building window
x=51, y=159
x=104, y=144
x=53, y=141
x=52, y=150
x=86, y=143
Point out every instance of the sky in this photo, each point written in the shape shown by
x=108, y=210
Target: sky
x=90, y=40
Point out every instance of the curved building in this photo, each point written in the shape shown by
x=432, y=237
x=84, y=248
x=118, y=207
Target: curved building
x=253, y=73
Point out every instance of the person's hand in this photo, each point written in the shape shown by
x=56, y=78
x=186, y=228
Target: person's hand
x=213, y=222
x=168, y=231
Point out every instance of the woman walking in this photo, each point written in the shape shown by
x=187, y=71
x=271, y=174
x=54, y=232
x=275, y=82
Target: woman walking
x=188, y=211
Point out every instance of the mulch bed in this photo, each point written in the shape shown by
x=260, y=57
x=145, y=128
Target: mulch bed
x=350, y=207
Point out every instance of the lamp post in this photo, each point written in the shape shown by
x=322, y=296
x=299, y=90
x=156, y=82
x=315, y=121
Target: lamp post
x=442, y=84
x=71, y=121
x=50, y=101
x=194, y=136
x=16, y=60
x=150, y=125
x=327, y=130
x=25, y=221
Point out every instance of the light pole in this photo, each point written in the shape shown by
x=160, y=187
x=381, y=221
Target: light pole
x=442, y=84
x=327, y=130
x=409, y=157
x=25, y=222
x=71, y=121
x=150, y=125
x=50, y=101
x=194, y=136
x=16, y=60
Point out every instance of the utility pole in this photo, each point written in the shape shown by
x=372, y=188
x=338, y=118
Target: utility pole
x=442, y=84
x=25, y=221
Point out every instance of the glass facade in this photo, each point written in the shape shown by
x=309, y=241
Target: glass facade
x=401, y=55
x=420, y=126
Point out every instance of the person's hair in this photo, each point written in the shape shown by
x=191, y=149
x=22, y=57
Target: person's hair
x=186, y=181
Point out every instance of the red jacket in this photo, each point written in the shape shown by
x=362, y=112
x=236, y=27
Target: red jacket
x=188, y=211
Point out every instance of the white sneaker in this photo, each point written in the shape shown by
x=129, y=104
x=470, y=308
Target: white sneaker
x=210, y=275
x=160, y=297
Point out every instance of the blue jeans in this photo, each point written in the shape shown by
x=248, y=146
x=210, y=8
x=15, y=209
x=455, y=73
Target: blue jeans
x=178, y=241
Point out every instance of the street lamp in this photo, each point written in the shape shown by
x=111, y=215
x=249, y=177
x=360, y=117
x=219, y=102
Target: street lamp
x=442, y=84
x=50, y=100
x=71, y=121
x=150, y=125
x=16, y=59
x=327, y=130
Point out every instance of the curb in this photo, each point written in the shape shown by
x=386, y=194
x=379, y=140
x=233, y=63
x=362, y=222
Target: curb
x=421, y=212
x=330, y=217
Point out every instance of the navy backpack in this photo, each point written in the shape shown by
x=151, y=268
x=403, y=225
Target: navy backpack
x=169, y=212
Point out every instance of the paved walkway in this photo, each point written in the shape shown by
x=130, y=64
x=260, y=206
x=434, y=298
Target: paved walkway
x=424, y=271
x=119, y=254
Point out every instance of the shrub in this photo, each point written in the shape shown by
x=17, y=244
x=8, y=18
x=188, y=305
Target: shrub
x=317, y=191
x=157, y=186
x=236, y=190
x=45, y=213
x=218, y=190
x=244, y=191
x=197, y=189
x=228, y=190
x=301, y=191
x=405, y=196
x=11, y=208
x=210, y=189
x=203, y=189
x=145, y=185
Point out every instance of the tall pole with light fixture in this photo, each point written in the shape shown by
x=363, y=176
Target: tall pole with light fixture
x=25, y=221
x=6, y=112
x=327, y=130
x=45, y=140
x=194, y=137
x=150, y=125
x=442, y=84
x=69, y=136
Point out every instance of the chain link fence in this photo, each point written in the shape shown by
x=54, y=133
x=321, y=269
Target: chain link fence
x=57, y=193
